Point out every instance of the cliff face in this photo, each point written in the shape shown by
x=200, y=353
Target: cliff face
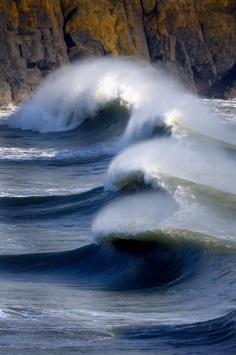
x=196, y=40
x=104, y=27
x=31, y=45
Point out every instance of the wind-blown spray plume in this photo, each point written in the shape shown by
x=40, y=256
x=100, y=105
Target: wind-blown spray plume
x=76, y=92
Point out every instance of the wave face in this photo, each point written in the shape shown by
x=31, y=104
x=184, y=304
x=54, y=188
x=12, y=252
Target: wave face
x=117, y=206
x=117, y=264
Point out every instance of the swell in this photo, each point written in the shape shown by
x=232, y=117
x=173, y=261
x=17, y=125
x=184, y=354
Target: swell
x=34, y=207
x=122, y=262
x=119, y=263
x=218, y=335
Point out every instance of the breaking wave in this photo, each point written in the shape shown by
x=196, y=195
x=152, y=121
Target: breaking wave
x=156, y=103
x=169, y=200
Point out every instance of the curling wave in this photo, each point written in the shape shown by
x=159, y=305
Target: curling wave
x=161, y=228
x=121, y=261
x=115, y=262
x=77, y=92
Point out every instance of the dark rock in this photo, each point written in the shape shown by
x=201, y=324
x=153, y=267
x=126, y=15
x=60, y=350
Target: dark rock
x=194, y=40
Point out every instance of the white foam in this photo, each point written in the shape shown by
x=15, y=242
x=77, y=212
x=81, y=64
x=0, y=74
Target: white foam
x=188, y=159
x=15, y=153
x=77, y=91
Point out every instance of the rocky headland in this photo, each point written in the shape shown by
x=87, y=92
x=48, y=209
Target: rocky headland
x=194, y=40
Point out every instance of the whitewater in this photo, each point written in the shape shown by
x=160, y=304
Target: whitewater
x=117, y=213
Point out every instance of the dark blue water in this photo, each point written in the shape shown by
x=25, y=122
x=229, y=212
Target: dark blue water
x=143, y=265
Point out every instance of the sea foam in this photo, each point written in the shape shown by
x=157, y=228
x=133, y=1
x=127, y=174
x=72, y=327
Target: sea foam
x=76, y=92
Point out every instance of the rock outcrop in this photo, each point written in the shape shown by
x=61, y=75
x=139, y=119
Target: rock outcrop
x=31, y=45
x=195, y=40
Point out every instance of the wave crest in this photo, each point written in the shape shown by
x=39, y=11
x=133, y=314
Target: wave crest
x=77, y=92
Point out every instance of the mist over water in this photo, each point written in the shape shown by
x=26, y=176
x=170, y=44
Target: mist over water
x=118, y=192
x=75, y=93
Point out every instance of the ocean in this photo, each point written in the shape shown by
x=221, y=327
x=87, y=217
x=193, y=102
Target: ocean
x=118, y=216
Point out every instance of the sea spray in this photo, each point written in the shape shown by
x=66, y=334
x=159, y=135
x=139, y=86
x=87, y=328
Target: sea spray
x=158, y=160
x=169, y=227
x=76, y=92
x=189, y=149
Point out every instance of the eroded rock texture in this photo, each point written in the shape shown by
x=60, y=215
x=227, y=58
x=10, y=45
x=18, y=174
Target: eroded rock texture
x=31, y=45
x=195, y=40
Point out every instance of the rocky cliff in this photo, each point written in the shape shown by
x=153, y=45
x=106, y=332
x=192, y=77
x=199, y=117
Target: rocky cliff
x=195, y=40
